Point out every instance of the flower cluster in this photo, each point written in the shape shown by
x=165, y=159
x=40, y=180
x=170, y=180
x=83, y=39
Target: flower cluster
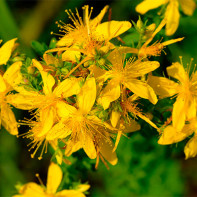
x=85, y=92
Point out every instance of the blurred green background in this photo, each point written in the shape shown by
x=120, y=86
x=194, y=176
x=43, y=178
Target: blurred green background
x=144, y=168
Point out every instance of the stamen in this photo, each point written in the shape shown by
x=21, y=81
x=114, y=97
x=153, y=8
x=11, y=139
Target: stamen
x=39, y=179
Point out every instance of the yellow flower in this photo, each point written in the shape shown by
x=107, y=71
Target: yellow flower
x=185, y=106
x=85, y=129
x=88, y=36
x=53, y=181
x=84, y=30
x=46, y=104
x=6, y=50
x=170, y=135
x=172, y=11
x=121, y=76
x=7, y=82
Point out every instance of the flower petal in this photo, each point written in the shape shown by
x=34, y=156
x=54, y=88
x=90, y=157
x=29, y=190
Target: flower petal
x=141, y=89
x=179, y=113
x=98, y=73
x=54, y=178
x=70, y=193
x=99, y=17
x=47, y=117
x=191, y=109
x=72, y=56
x=72, y=147
x=130, y=127
x=190, y=149
x=106, y=147
x=177, y=71
x=3, y=86
x=64, y=110
x=110, y=93
x=6, y=50
x=172, y=15
x=88, y=145
x=163, y=86
x=141, y=68
x=13, y=75
x=86, y=98
x=8, y=119
x=114, y=118
x=25, y=102
x=48, y=79
x=68, y=87
x=31, y=190
x=111, y=29
x=147, y=5
x=170, y=135
x=188, y=6
x=58, y=131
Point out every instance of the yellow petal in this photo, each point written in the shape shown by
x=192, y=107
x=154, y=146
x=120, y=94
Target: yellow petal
x=51, y=60
x=106, y=147
x=68, y=87
x=163, y=86
x=58, y=156
x=116, y=58
x=88, y=145
x=170, y=135
x=66, y=40
x=147, y=5
x=64, y=110
x=168, y=42
x=37, y=64
x=141, y=68
x=130, y=127
x=13, y=74
x=3, y=86
x=157, y=30
x=114, y=118
x=99, y=17
x=48, y=82
x=25, y=102
x=72, y=56
x=8, y=119
x=141, y=89
x=54, y=178
x=83, y=187
x=188, y=6
x=172, y=15
x=58, y=131
x=70, y=193
x=48, y=79
x=87, y=96
x=6, y=50
x=177, y=71
x=98, y=73
x=191, y=110
x=72, y=147
x=190, y=149
x=111, y=29
x=47, y=120
x=32, y=190
x=110, y=93
x=117, y=140
x=178, y=113
x=147, y=120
